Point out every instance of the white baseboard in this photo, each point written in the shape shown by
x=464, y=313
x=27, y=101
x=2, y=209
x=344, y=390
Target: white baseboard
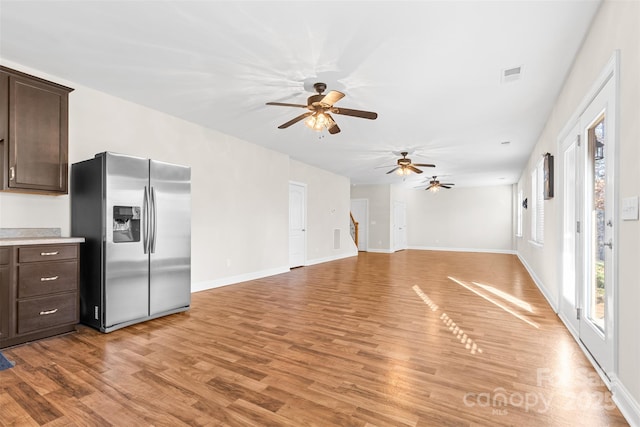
x=553, y=302
x=626, y=403
x=438, y=248
x=380, y=251
x=224, y=281
x=331, y=258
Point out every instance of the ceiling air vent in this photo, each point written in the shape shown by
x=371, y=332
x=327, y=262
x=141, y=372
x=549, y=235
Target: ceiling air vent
x=511, y=74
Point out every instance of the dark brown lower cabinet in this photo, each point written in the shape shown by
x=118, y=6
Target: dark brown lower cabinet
x=38, y=292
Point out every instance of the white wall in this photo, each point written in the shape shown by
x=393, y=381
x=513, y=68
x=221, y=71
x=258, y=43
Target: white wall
x=615, y=27
x=327, y=210
x=471, y=218
x=239, y=210
x=379, y=197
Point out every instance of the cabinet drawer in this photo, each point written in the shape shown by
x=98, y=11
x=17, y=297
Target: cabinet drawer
x=44, y=278
x=47, y=253
x=47, y=312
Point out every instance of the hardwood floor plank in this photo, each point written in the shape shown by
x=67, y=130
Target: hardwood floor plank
x=415, y=338
x=12, y=413
x=116, y=413
x=76, y=412
x=370, y=402
x=34, y=404
x=253, y=414
x=236, y=391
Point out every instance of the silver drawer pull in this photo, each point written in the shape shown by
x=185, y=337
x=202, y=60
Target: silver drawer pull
x=48, y=253
x=48, y=279
x=44, y=313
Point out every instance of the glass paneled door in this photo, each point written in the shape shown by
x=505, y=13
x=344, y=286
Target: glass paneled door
x=597, y=284
x=589, y=220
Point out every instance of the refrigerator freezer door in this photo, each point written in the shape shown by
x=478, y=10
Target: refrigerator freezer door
x=170, y=244
x=126, y=281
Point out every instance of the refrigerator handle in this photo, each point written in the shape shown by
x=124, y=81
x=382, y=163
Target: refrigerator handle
x=154, y=222
x=145, y=218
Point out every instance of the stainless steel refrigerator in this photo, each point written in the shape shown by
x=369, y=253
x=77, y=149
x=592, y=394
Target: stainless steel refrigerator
x=135, y=216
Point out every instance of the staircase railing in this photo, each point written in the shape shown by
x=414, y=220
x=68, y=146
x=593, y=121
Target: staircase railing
x=354, y=229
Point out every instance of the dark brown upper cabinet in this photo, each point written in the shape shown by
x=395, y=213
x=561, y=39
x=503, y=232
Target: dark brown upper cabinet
x=34, y=118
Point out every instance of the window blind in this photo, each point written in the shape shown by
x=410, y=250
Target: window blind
x=519, y=214
x=537, y=203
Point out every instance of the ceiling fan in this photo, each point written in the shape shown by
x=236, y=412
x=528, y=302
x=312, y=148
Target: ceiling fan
x=319, y=107
x=435, y=185
x=405, y=167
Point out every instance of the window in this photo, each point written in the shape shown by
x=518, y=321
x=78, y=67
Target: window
x=519, y=214
x=537, y=203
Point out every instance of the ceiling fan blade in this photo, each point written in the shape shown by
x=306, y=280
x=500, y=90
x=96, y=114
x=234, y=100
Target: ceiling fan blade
x=355, y=113
x=424, y=165
x=284, y=104
x=446, y=183
x=430, y=187
x=384, y=167
x=414, y=169
x=295, y=120
x=444, y=186
x=331, y=98
x=394, y=169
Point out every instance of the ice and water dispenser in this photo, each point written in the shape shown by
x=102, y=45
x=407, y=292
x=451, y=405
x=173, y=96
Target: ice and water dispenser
x=126, y=224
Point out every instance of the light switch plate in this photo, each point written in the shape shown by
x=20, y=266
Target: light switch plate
x=630, y=208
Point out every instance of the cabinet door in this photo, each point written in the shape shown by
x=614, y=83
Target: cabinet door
x=38, y=120
x=4, y=293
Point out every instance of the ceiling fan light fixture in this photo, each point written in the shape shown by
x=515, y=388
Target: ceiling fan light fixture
x=318, y=121
x=435, y=185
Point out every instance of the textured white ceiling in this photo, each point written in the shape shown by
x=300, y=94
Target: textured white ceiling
x=430, y=69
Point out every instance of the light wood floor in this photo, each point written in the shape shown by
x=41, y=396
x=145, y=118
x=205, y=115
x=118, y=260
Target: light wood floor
x=415, y=338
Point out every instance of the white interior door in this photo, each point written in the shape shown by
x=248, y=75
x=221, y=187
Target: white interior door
x=360, y=212
x=589, y=221
x=400, y=225
x=297, y=224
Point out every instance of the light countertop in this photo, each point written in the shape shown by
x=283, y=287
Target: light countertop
x=51, y=240
x=34, y=236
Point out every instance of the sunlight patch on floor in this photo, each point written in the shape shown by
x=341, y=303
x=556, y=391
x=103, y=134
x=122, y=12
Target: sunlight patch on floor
x=502, y=294
x=493, y=301
x=433, y=306
x=456, y=330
